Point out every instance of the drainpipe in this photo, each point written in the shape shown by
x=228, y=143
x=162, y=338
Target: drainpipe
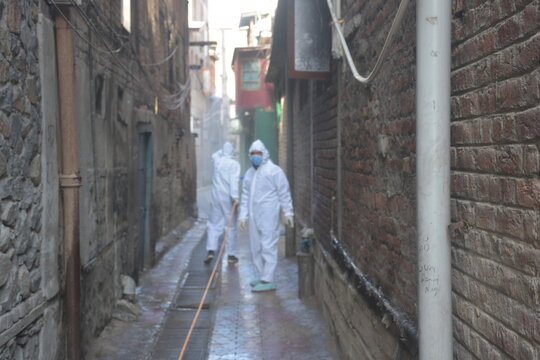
x=69, y=183
x=290, y=233
x=433, y=178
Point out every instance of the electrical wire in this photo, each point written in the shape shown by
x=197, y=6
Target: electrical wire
x=395, y=24
x=76, y=30
x=105, y=23
x=177, y=100
x=164, y=60
x=171, y=102
x=142, y=86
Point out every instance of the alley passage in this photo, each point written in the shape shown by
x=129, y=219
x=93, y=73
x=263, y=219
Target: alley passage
x=236, y=324
x=273, y=325
x=247, y=326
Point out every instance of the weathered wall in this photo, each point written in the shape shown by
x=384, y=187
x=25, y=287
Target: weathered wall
x=302, y=137
x=29, y=304
x=373, y=216
x=121, y=96
x=324, y=154
x=282, y=137
x=495, y=179
x=113, y=89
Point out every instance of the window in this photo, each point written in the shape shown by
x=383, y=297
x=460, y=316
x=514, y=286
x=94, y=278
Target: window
x=126, y=14
x=250, y=74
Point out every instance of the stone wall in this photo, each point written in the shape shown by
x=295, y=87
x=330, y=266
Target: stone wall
x=28, y=245
x=119, y=96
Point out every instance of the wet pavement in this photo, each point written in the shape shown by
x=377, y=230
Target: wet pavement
x=267, y=326
x=157, y=288
x=156, y=293
x=175, y=328
x=235, y=324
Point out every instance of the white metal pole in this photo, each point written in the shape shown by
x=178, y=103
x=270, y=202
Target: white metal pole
x=433, y=32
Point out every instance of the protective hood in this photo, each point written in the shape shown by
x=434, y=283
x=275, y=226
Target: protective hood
x=228, y=150
x=259, y=146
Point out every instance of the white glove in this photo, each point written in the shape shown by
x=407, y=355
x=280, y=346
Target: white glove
x=242, y=224
x=289, y=221
x=235, y=201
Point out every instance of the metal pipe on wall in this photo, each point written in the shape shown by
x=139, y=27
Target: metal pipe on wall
x=433, y=33
x=69, y=183
x=290, y=233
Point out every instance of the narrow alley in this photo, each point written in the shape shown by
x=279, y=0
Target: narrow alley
x=269, y=179
x=234, y=324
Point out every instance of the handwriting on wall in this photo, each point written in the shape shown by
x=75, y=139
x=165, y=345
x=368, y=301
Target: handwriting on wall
x=429, y=274
x=429, y=279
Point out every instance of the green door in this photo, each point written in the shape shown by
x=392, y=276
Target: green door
x=266, y=130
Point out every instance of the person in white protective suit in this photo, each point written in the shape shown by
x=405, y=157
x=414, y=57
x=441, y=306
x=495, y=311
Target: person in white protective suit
x=224, y=195
x=265, y=191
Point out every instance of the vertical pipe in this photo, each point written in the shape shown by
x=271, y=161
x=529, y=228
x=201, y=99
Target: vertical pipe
x=338, y=212
x=290, y=233
x=224, y=80
x=433, y=178
x=69, y=183
x=311, y=155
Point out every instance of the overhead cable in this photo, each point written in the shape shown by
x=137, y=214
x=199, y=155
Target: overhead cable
x=177, y=100
x=76, y=30
x=395, y=24
x=104, y=22
x=164, y=60
x=173, y=102
x=112, y=52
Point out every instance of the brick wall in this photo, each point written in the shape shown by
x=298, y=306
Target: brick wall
x=301, y=188
x=378, y=156
x=314, y=147
x=324, y=116
x=495, y=178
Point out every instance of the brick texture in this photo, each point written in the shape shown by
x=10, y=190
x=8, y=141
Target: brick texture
x=302, y=149
x=495, y=179
x=495, y=163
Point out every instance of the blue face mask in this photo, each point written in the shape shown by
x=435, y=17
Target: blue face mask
x=256, y=159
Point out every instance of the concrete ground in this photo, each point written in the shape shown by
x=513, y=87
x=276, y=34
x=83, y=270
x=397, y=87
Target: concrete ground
x=156, y=293
x=273, y=325
x=122, y=340
x=236, y=323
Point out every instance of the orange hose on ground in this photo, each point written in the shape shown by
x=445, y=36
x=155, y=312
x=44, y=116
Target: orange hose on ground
x=212, y=275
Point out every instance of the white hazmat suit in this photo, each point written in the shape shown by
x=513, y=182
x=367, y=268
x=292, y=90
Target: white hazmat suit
x=224, y=192
x=265, y=191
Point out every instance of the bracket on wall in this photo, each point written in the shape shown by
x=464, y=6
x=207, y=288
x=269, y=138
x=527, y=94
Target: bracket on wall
x=65, y=2
x=203, y=43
